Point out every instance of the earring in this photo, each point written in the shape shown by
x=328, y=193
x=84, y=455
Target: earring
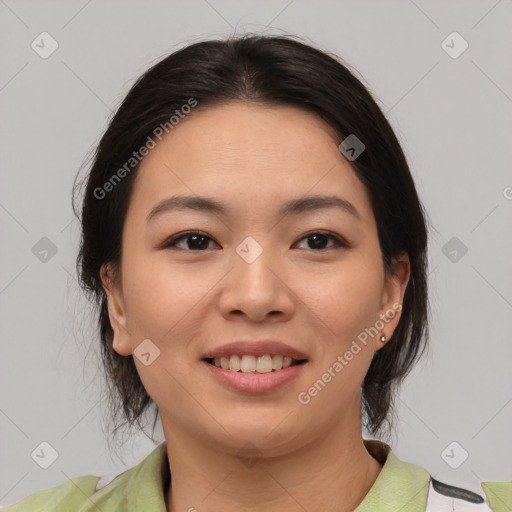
x=383, y=338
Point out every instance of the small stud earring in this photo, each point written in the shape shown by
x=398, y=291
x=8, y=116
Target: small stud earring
x=383, y=338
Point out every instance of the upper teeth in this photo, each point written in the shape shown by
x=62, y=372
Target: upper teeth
x=248, y=364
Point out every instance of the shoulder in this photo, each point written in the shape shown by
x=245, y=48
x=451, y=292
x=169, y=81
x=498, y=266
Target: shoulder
x=140, y=486
x=71, y=494
x=405, y=486
x=491, y=497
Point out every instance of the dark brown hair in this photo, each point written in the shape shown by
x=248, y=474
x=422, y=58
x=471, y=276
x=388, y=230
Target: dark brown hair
x=272, y=71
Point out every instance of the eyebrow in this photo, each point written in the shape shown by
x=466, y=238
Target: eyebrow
x=292, y=207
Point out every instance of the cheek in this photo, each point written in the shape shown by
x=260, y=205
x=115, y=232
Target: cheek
x=347, y=302
x=346, y=299
x=166, y=301
x=161, y=302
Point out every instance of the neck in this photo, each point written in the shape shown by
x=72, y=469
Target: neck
x=334, y=472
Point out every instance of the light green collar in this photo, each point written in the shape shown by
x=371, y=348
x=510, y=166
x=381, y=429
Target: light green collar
x=139, y=488
x=400, y=486
x=499, y=495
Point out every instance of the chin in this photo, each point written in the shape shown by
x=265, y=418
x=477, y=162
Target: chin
x=260, y=434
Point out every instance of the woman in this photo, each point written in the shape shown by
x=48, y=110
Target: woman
x=257, y=249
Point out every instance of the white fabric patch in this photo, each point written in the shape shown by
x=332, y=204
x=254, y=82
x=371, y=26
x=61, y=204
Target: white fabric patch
x=105, y=480
x=437, y=502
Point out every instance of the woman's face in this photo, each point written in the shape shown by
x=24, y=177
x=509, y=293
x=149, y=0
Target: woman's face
x=255, y=273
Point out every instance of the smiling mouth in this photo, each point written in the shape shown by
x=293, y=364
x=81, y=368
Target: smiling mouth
x=251, y=364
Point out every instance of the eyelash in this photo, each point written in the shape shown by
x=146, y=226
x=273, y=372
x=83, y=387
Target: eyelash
x=171, y=242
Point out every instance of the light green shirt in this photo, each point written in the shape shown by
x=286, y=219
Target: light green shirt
x=400, y=486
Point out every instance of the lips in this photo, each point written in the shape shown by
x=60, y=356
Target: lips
x=255, y=366
x=254, y=348
x=254, y=383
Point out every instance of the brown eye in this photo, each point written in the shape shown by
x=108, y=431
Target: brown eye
x=194, y=241
x=318, y=240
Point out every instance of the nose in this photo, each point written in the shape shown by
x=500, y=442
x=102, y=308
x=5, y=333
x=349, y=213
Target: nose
x=257, y=290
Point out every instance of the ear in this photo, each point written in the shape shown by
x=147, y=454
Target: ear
x=393, y=296
x=116, y=310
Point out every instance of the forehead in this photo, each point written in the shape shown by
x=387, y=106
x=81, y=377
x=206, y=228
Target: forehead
x=248, y=155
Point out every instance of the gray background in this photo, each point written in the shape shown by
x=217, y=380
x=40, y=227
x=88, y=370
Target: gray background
x=452, y=115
